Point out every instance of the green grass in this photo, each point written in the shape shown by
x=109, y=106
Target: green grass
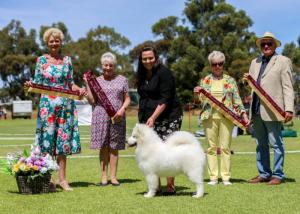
x=83, y=174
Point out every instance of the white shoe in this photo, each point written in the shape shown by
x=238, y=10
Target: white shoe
x=227, y=183
x=212, y=182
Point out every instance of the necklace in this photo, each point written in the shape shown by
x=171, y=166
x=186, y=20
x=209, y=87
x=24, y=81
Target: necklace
x=55, y=60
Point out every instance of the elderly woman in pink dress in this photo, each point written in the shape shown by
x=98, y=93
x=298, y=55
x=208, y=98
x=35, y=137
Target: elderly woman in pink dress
x=106, y=136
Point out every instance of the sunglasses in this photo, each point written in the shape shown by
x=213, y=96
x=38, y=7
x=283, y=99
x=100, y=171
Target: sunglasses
x=263, y=44
x=220, y=64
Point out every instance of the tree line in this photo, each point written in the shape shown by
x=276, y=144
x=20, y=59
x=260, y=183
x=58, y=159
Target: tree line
x=183, y=44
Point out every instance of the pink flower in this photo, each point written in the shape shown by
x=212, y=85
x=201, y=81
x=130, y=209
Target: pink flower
x=21, y=160
x=60, y=132
x=66, y=148
x=45, y=66
x=52, y=80
x=65, y=136
x=43, y=112
x=36, y=150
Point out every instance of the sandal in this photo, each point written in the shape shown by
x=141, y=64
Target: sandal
x=65, y=186
x=115, y=183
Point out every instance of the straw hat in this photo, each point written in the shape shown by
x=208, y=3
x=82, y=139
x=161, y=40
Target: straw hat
x=268, y=35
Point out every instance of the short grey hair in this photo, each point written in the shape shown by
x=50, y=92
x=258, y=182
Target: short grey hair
x=55, y=32
x=108, y=56
x=216, y=55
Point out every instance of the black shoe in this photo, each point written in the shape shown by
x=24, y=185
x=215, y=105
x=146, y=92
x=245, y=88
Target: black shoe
x=169, y=193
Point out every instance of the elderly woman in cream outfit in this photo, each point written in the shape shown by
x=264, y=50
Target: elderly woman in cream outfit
x=217, y=128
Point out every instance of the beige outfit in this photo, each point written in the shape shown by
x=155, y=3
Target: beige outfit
x=218, y=131
x=277, y=82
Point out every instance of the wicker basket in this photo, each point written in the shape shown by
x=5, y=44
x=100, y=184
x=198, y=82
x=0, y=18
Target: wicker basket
x=39, y=184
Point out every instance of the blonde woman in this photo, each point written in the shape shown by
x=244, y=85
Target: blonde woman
x=57, y=130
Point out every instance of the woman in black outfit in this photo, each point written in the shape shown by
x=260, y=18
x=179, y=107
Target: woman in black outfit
x=159, y=106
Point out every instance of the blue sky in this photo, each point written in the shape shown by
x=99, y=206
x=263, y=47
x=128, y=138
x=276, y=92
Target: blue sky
x=134, y=18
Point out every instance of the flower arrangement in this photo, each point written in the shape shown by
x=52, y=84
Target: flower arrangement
x=29, y=164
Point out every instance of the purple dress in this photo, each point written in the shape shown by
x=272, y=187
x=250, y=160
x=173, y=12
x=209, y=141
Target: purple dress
x=104, y=133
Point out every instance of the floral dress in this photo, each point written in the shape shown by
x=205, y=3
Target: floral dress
x=57, y=119
x=231, y=97
x=104, y=134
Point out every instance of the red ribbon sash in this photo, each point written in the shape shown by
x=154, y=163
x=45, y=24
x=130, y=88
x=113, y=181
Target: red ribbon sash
x=48, y=90
x=270, y=103
x=99, y=93
x=220, y=107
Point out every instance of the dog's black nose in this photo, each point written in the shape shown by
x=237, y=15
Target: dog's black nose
x=131, y=145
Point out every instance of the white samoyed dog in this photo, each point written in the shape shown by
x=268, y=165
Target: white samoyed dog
x=180, y=153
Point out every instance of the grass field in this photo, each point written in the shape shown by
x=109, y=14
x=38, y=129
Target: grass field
x=83, y=174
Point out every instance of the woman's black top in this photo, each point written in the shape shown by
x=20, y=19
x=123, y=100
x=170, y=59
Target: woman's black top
x=159, y=89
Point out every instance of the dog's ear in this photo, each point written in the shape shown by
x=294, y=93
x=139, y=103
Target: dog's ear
x=138, y=129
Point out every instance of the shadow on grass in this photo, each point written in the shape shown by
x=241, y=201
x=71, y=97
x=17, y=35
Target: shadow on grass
x=81, y=184
x=237, y=180
x=179, y=192
x=128, y=180
x=121, y=181
x=232, y=180
x=86, y=184
x=289, y=180
x=45, y=193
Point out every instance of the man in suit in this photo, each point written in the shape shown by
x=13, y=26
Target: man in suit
x=273, y=72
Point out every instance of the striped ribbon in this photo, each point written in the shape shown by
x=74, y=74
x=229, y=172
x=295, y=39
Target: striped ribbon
x=52, y=91
x=269, y=102
x=220, y=107
x=100, y=94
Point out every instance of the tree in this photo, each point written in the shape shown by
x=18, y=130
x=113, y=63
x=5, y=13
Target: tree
x=59, y=25
x=18, y=51
x=86, y=52
x=292, y=51
x=208, y=25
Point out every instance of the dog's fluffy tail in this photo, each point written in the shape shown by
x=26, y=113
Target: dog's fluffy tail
x=180, y=138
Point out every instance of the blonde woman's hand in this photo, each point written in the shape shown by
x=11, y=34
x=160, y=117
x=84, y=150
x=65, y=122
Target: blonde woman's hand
x=85, y=79
x=82, y=91
x=28, y=84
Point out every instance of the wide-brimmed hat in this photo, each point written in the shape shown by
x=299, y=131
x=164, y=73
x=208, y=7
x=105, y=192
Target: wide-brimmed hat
x=268, y=35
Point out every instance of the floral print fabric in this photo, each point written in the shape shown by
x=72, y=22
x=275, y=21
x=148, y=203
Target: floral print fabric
x=230, y=97
x=57, y=129
x=165, y=128
x=104, y=134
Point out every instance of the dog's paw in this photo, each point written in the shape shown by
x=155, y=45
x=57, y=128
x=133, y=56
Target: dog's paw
x=149, y=195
